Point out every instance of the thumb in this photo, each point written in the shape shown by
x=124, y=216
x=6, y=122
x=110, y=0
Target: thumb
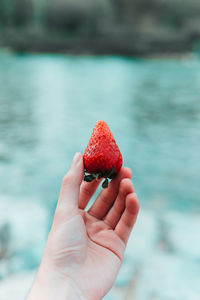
x=69, y=193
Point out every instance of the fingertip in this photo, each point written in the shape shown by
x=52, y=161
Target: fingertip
x=128, y=171
x=126, y=186
x=78, y=157
x=76, y=171
x=77, y=160
x=132, y=203
x=125, y=172
x=71, y=183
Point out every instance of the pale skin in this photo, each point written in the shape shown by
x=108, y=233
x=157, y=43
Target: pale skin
x=85, y=247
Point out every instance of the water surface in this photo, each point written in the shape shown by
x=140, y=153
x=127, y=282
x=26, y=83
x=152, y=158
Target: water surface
x=49, y=105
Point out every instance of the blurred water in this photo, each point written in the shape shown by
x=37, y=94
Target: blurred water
x=49, y=105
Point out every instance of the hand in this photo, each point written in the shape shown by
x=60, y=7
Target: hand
x=85, y=249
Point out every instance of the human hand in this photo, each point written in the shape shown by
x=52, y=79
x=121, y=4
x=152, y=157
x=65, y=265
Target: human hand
x=85, y=249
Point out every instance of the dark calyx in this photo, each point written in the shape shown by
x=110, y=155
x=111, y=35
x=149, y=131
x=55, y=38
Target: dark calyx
x=106, y=174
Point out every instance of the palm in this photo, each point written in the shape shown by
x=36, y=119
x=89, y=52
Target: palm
x=94, y=257
x=102, y=237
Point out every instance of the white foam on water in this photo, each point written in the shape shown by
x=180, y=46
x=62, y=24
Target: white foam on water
x=23, y=231
x=16, y=286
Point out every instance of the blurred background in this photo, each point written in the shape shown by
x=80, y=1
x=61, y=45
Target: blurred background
x=126, y=27
x=66, y=64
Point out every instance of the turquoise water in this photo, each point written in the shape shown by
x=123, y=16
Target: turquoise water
x=48, y=107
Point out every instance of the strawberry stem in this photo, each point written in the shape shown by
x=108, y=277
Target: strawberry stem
x=105, y=183
x=106, y=174
x=89, y=178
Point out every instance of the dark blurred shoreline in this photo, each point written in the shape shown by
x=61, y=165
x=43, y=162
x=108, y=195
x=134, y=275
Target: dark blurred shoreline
x=122, y=27
x=138, y=44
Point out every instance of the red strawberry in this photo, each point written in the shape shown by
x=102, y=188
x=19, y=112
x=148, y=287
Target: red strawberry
x=102, y=157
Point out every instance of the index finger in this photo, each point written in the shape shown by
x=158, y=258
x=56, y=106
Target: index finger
x=87, y=190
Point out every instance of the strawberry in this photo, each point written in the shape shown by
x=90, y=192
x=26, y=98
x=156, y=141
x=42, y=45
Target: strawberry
x=102, y=157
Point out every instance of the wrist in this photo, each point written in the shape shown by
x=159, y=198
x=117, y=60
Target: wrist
x=53, y=286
